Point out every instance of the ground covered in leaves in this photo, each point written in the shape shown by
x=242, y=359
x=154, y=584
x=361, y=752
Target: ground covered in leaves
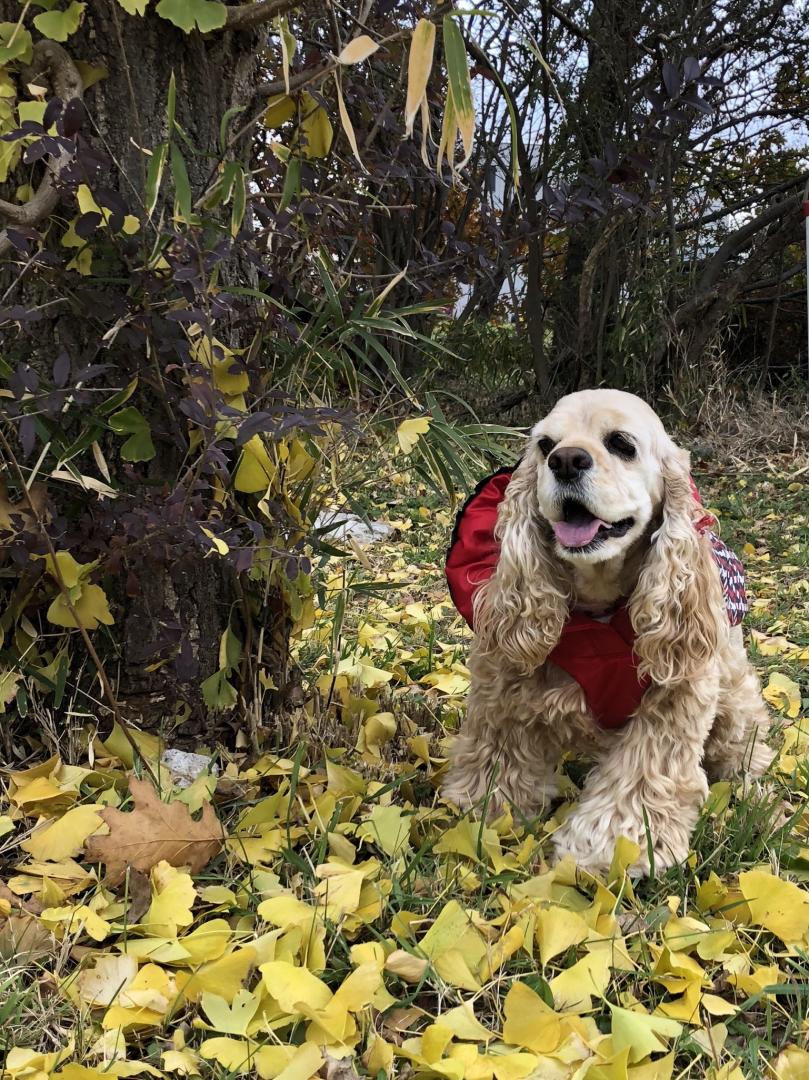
x=320, y=911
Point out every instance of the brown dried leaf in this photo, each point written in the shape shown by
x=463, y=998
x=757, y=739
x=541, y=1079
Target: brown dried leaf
x=139, y=892
x=154, y=831
x=32, y=905
x=24, y=940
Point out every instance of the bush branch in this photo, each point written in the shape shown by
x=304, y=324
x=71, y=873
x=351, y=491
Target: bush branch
x=106, y=687
x=52, y=60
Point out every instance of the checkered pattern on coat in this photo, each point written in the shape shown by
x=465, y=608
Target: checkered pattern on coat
x=732, y=574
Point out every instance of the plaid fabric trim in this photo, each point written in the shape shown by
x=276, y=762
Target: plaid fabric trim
x=732, y=574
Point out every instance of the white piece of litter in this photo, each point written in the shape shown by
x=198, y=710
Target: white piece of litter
x=350, y=527
x=185, y=767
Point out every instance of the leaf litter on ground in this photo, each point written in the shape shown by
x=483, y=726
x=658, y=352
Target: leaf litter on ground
x=322, y=912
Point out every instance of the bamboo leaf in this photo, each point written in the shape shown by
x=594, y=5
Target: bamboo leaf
x=460, y=86
x=239, y=204
x=154, y=177
x=182, y=185
x=292, y=183
x=345, y=120
x=419, y=65
x=316, y=127
x=358, y=49
x=288, y=46
x=279, y=109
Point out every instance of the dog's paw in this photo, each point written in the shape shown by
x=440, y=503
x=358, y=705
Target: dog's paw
x=590, y=840
x=592, y=854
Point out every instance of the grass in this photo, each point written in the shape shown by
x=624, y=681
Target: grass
x=383, y=667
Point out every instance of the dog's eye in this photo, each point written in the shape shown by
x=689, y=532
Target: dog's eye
x=618, y=443
x=545, y=445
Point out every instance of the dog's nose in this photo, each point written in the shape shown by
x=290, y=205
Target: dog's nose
x=569, y=462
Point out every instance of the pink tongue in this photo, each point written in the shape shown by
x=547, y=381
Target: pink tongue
x=573, y=536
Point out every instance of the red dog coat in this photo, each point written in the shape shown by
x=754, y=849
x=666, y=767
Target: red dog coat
x=598, y=655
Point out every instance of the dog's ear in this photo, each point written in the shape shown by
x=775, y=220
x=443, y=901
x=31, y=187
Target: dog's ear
x=677, y=608
x=520, y=611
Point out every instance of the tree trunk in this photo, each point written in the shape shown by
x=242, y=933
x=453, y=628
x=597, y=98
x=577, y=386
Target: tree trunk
x=171, y=611
x=602, y=114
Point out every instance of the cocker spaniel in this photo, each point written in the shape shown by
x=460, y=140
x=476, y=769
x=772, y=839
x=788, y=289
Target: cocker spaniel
x=605, y=614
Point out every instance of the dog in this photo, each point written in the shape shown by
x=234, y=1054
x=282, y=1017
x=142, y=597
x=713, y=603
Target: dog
x=601, y=626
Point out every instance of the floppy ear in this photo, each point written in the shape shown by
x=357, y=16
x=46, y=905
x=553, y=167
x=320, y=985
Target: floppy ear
x=677, y=608
x=520, y=611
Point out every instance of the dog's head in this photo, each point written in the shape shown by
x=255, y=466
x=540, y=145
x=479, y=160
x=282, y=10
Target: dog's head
x=599, y=459
x=598, y=475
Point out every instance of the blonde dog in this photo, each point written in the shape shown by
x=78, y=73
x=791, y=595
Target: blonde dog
x=600, y=522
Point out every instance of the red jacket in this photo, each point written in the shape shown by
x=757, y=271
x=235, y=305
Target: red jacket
x=598, y=655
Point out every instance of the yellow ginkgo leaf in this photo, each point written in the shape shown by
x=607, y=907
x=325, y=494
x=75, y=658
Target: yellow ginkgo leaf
x=223, y=977
x=389, y=828
x=91, y=608
x=172, y=899
x=777, y=905
x=557, y=929
x=256, y=470
x=358, y=988
x=529, y=1021
x=234, y=1055
x=410, y=431
x=641, y=1033
x=783, y=693
x=72, y=572
x=291, y=986
x=103, y=983
x=451, y=683
x=304, y=1063
x=64, y=838
x=339, y=889
x=376, y=732
x=76, y=920
x=574, y=989
x=206, y=942
x=463, y=1023
x=231, y=1018
x=791, y=1064
x=8, y=687
x=409, y=968
x=184, y=1062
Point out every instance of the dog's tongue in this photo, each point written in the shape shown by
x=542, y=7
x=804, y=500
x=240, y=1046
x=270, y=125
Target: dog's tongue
x=576, y=535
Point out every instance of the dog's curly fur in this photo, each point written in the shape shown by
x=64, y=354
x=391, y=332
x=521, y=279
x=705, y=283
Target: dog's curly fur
x=702, y=713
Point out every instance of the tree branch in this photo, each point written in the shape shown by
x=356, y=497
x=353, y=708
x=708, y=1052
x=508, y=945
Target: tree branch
x=742, y=204
x=711, y=290
x=739, y=240
x=55, y=62
x=249, y=16
x=570, y=25
x=773, y=282
x=296, y=81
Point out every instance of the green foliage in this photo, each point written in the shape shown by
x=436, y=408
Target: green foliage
x=58, y=24
x=139, y=445
x=15, y=43
x=202, y=15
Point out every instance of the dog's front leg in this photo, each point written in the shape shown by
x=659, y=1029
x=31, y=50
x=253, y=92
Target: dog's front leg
x=498, y=762
x=651, y=777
